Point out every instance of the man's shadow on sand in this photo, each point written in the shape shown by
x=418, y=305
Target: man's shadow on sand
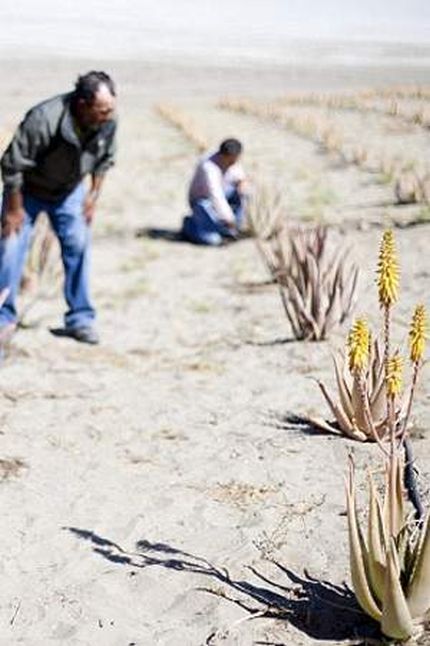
x=153, y=233
x=175, y=235
x=320, y=609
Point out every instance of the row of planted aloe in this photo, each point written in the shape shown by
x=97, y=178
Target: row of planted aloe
x=410, y=177
x=390, y=561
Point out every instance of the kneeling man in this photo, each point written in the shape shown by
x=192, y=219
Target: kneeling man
x=216, y=196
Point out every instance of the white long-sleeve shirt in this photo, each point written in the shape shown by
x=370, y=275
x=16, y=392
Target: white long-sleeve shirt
x=209, y=182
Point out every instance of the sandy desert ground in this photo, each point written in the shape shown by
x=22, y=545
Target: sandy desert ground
x=157, y=490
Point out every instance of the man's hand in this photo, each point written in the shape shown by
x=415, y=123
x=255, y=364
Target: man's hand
x=90, y=206
x=13, y=214
x=91, y=198
x=229, y=224
x=12, y=221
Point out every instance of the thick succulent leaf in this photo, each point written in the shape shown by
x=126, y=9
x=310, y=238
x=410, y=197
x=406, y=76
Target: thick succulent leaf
x=323, y=425
x=357, y=548
x=359, y=414
x=342, y=419
x=301, y=311
x=394, y=508
x=342, y=386
x=418, y=593
x=316, y=292
x=377, y=367
x=376, y=541
x=333, y=312
x=396, y=619
x=291, y=314
x=378, y=404
x=410, y=560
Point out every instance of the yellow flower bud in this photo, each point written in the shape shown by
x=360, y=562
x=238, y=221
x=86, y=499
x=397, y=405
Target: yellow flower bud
x=418, y=334
x=358, y=344
x=394, y=375
x=388, y=270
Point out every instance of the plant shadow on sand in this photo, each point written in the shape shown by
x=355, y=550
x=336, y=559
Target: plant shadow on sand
x=271, y=342
x=290, y=421
x=318, y=608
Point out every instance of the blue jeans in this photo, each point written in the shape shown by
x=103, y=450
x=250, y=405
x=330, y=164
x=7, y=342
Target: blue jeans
x=67, y=220
x=203, y=225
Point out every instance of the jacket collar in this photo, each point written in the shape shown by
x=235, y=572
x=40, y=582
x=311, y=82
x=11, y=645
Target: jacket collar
x=67, y=126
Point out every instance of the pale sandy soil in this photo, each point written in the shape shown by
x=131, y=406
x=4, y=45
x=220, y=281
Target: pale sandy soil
x=160, y=494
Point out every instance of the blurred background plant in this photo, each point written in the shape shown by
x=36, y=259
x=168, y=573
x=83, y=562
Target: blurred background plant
x=43, y=271
x=184, y=123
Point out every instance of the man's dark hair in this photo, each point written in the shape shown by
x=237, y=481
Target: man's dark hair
x=230, y=147
x=87, y=85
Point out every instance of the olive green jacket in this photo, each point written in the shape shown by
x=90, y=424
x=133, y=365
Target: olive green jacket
x=47, y=158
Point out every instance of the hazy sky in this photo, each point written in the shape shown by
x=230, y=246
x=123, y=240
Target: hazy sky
x=127, y=26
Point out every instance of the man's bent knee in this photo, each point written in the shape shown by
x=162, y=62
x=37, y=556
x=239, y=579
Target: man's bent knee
x=76, y=240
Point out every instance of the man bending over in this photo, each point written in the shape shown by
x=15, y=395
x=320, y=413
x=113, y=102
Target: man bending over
x=58, y=143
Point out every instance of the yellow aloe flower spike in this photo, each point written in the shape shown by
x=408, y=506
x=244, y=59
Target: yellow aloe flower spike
x=394, y=375
x=358, y=344
x=418, y=334
x=388, y=271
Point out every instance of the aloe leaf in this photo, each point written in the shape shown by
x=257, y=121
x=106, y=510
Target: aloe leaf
x=394, y=513
x=290, y=312
x=378, y=404
x=357, y=404
x=418, y=593
x=376, y=541
x=357, y=557
x=345, y=424
x=342, y=386
x=396, y=619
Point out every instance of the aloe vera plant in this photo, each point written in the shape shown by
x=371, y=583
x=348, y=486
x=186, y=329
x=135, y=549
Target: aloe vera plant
x=390, y=562
x=362, y=407
x=317, y=284
x=347, y=408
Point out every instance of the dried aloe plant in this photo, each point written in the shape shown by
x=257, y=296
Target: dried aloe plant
x=42, y=267
x=41, y=260
x=317, y=286
x=408, y=188
x=267, y=219
x=266, y=212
